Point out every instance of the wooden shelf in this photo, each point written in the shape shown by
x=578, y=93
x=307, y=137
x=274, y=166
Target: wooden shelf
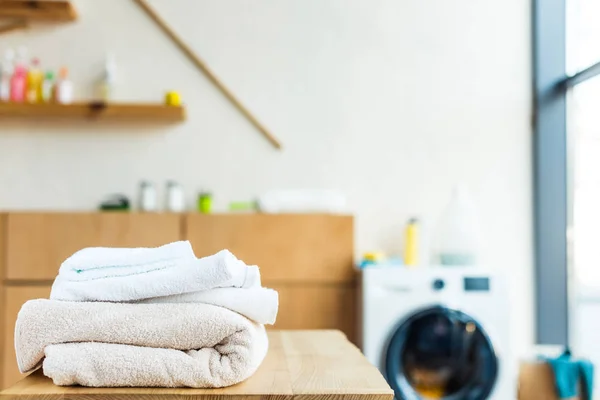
x=95, y=111
x=38, y=10
x=13, y=26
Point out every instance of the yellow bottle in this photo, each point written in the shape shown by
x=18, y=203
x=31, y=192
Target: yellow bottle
x=411, y=244
x=35, y=77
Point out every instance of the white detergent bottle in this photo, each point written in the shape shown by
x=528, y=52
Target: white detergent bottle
x=457, y=239
x=6, y=72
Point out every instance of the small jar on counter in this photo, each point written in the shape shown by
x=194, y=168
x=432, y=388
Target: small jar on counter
x=148, y=200
x=175, y=197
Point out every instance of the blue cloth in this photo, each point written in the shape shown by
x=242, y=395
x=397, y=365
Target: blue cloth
x=568, y=372
x=586, y=369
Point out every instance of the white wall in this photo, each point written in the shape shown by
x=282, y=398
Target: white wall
x=390, y=101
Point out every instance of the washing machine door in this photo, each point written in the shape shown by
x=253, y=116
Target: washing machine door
x=440, y=353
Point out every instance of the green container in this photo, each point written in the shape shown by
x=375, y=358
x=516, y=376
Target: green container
x=205, y=203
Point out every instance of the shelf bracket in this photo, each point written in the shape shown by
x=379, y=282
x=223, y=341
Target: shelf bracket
x=201, y=65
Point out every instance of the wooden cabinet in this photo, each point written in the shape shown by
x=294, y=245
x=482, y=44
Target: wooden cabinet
x=317, y=307
x=307, y=258
x=288, y=248
x=15, y=297
x=33, y=245
x=37, y=243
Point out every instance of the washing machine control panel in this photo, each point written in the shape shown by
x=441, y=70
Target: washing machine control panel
x=438, y=284
x=476, y=284
x=470, y=284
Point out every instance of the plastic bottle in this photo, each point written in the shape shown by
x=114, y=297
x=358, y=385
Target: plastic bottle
x=411, y=243
x=175, y=197
x=106, y=83
x=148, y=200
x=205, y=202
x=458, y=240
x=21, y=67
x=64, y=87
x=18, y=84
x=35, y=77
x=48, y=87
x=7, y=68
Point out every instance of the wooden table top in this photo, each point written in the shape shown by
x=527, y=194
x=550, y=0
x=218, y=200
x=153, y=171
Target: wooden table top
x=300, y=365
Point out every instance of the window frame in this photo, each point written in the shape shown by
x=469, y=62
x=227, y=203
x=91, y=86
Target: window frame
x=552, y=211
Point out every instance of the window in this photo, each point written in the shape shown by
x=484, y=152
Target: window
x=582, y=34
x=567, y=172
x=584, y=132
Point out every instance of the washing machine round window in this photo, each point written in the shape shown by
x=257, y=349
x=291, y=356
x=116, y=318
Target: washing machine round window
x=440, y=353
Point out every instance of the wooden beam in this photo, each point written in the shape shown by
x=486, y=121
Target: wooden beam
x=201, y=65
x=38, y=10
x=13, y=26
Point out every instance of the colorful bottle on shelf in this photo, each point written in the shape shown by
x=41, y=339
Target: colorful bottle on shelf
x=35, y=78
x=48, y=87
x=18, y=81
x=7, y=70
x=18, y=84
x=64, y=87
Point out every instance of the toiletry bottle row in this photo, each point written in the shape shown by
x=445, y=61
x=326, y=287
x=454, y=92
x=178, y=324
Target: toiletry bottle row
x=20, y=83
x=175, y=199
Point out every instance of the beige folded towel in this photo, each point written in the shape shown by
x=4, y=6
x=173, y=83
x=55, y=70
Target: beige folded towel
x=158, y=345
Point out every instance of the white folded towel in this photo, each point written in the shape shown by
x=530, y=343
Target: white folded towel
x=103, y=262
x=258, y=304
x=113, y=344
x=121, y=275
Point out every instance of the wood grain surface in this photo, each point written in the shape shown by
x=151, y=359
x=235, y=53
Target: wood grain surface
x=15, y=298
x=55, y=11
x=13, y=26
x=133, y=112
x=287, y=247
x=304, y=365
x=536, y=382
x=37, y=243
x=3, y=326
x=312, y=306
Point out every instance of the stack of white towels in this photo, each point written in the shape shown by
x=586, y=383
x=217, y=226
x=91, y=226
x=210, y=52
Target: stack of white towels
x=156, y=317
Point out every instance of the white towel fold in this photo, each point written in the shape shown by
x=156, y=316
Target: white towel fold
x=120, y=275
x=258, y=304
x=159, y=345
x=104, y=262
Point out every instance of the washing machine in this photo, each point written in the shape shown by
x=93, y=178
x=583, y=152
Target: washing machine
x=438, y=333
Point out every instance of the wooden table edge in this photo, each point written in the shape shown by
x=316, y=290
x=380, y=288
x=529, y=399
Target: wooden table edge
x=17, y=392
